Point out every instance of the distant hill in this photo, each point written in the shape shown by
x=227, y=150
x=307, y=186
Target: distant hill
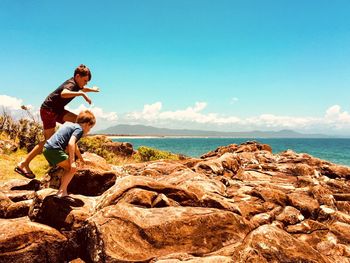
x=143, y=130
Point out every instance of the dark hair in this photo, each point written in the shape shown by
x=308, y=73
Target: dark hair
x=83, y=71
x=86, y=116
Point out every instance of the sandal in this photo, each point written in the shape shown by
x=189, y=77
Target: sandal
x=28, y=175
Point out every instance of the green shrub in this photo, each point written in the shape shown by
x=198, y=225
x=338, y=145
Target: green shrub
x=145, y=154
x=94, y=144
x=26, y=132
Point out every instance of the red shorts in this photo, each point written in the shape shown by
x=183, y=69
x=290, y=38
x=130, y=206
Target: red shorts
x=50, y=118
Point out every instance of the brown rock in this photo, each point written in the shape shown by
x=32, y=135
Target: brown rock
x=335, y=171
x=306, y=204
x=25, y=241
x=290, y=216
x=5, y=202
x=175, y=258
x=342, y=231
x=116, y=193
x=271, y=244
x=119, y=148
x=270, y=195
x=91, y=179
x=10, y=209
x=61, y=213
x=154, y=168
x=227, y=162
x=323, y=195
x=20, y=189
x=239, y=203
x=306, y=227
x=141, y=234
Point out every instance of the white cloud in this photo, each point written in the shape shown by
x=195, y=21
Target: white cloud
x=12, y=106
x=149, y=112
x=103, y=119
x=335, y=115
x=152, y=112
x=334, y=121
x=98, y=112
x=10, y=103
x=194, y=116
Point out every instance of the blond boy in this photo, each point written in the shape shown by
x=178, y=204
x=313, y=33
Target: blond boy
x=61, y=149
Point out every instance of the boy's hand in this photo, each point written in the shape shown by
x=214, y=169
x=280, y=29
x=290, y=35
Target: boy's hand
x=95, y=89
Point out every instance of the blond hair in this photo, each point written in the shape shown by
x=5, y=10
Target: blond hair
x=86, y=116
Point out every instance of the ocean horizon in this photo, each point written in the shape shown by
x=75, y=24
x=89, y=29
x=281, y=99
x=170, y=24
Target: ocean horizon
x=335, y=150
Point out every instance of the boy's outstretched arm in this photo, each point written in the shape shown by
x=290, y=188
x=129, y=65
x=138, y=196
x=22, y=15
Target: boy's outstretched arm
x=66, y=93
x=93, y=89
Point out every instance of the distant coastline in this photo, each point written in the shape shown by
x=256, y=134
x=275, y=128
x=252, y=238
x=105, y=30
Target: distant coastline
x=142, y=131
x=136, y=136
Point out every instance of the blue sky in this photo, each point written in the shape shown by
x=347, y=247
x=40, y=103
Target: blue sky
x=216, y=65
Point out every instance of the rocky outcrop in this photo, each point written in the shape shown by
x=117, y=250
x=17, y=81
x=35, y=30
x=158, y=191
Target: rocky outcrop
x=92, y=178
x=238, y=203
x=24, y=241
x=102, y=145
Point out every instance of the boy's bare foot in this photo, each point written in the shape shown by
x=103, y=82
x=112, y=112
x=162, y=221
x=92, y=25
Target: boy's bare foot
x=65, y=196
x=61, y=194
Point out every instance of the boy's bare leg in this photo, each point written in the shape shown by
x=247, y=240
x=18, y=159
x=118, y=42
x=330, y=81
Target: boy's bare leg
x=66, y=177
x=24, y=165
x=70, y=116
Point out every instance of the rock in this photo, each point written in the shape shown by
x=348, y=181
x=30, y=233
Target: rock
x=61, y=213
x=272, y=244
x=306, y=204
x=5, y=202
x=176, y=258
x=154, y=168
x=25, y=241
x=10, y=209
x=140, y=234
x=290, y=216
x=123, y=185
x=308, y=226
x=239, y=203
x=91, y=179
x=20, y=189
x=119, y=148
x=270, y=195
x=100, y=143
x=227, y=162
x=335, y=171
x=341, y=231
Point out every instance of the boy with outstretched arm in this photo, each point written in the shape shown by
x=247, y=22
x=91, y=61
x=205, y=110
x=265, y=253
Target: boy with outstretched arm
x=53, y=110
x=61, y=149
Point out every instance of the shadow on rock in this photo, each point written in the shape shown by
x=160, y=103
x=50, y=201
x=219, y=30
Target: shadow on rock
x=31, y=185
x=54, y=211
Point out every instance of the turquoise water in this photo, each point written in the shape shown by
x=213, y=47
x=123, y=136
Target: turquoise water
x=333, y=150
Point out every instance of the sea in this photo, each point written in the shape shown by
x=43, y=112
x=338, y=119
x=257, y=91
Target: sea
x=335, y=150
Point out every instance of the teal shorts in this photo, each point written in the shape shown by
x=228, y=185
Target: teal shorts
x=54, y=156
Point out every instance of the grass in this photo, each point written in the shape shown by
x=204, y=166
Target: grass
x=8, y=162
